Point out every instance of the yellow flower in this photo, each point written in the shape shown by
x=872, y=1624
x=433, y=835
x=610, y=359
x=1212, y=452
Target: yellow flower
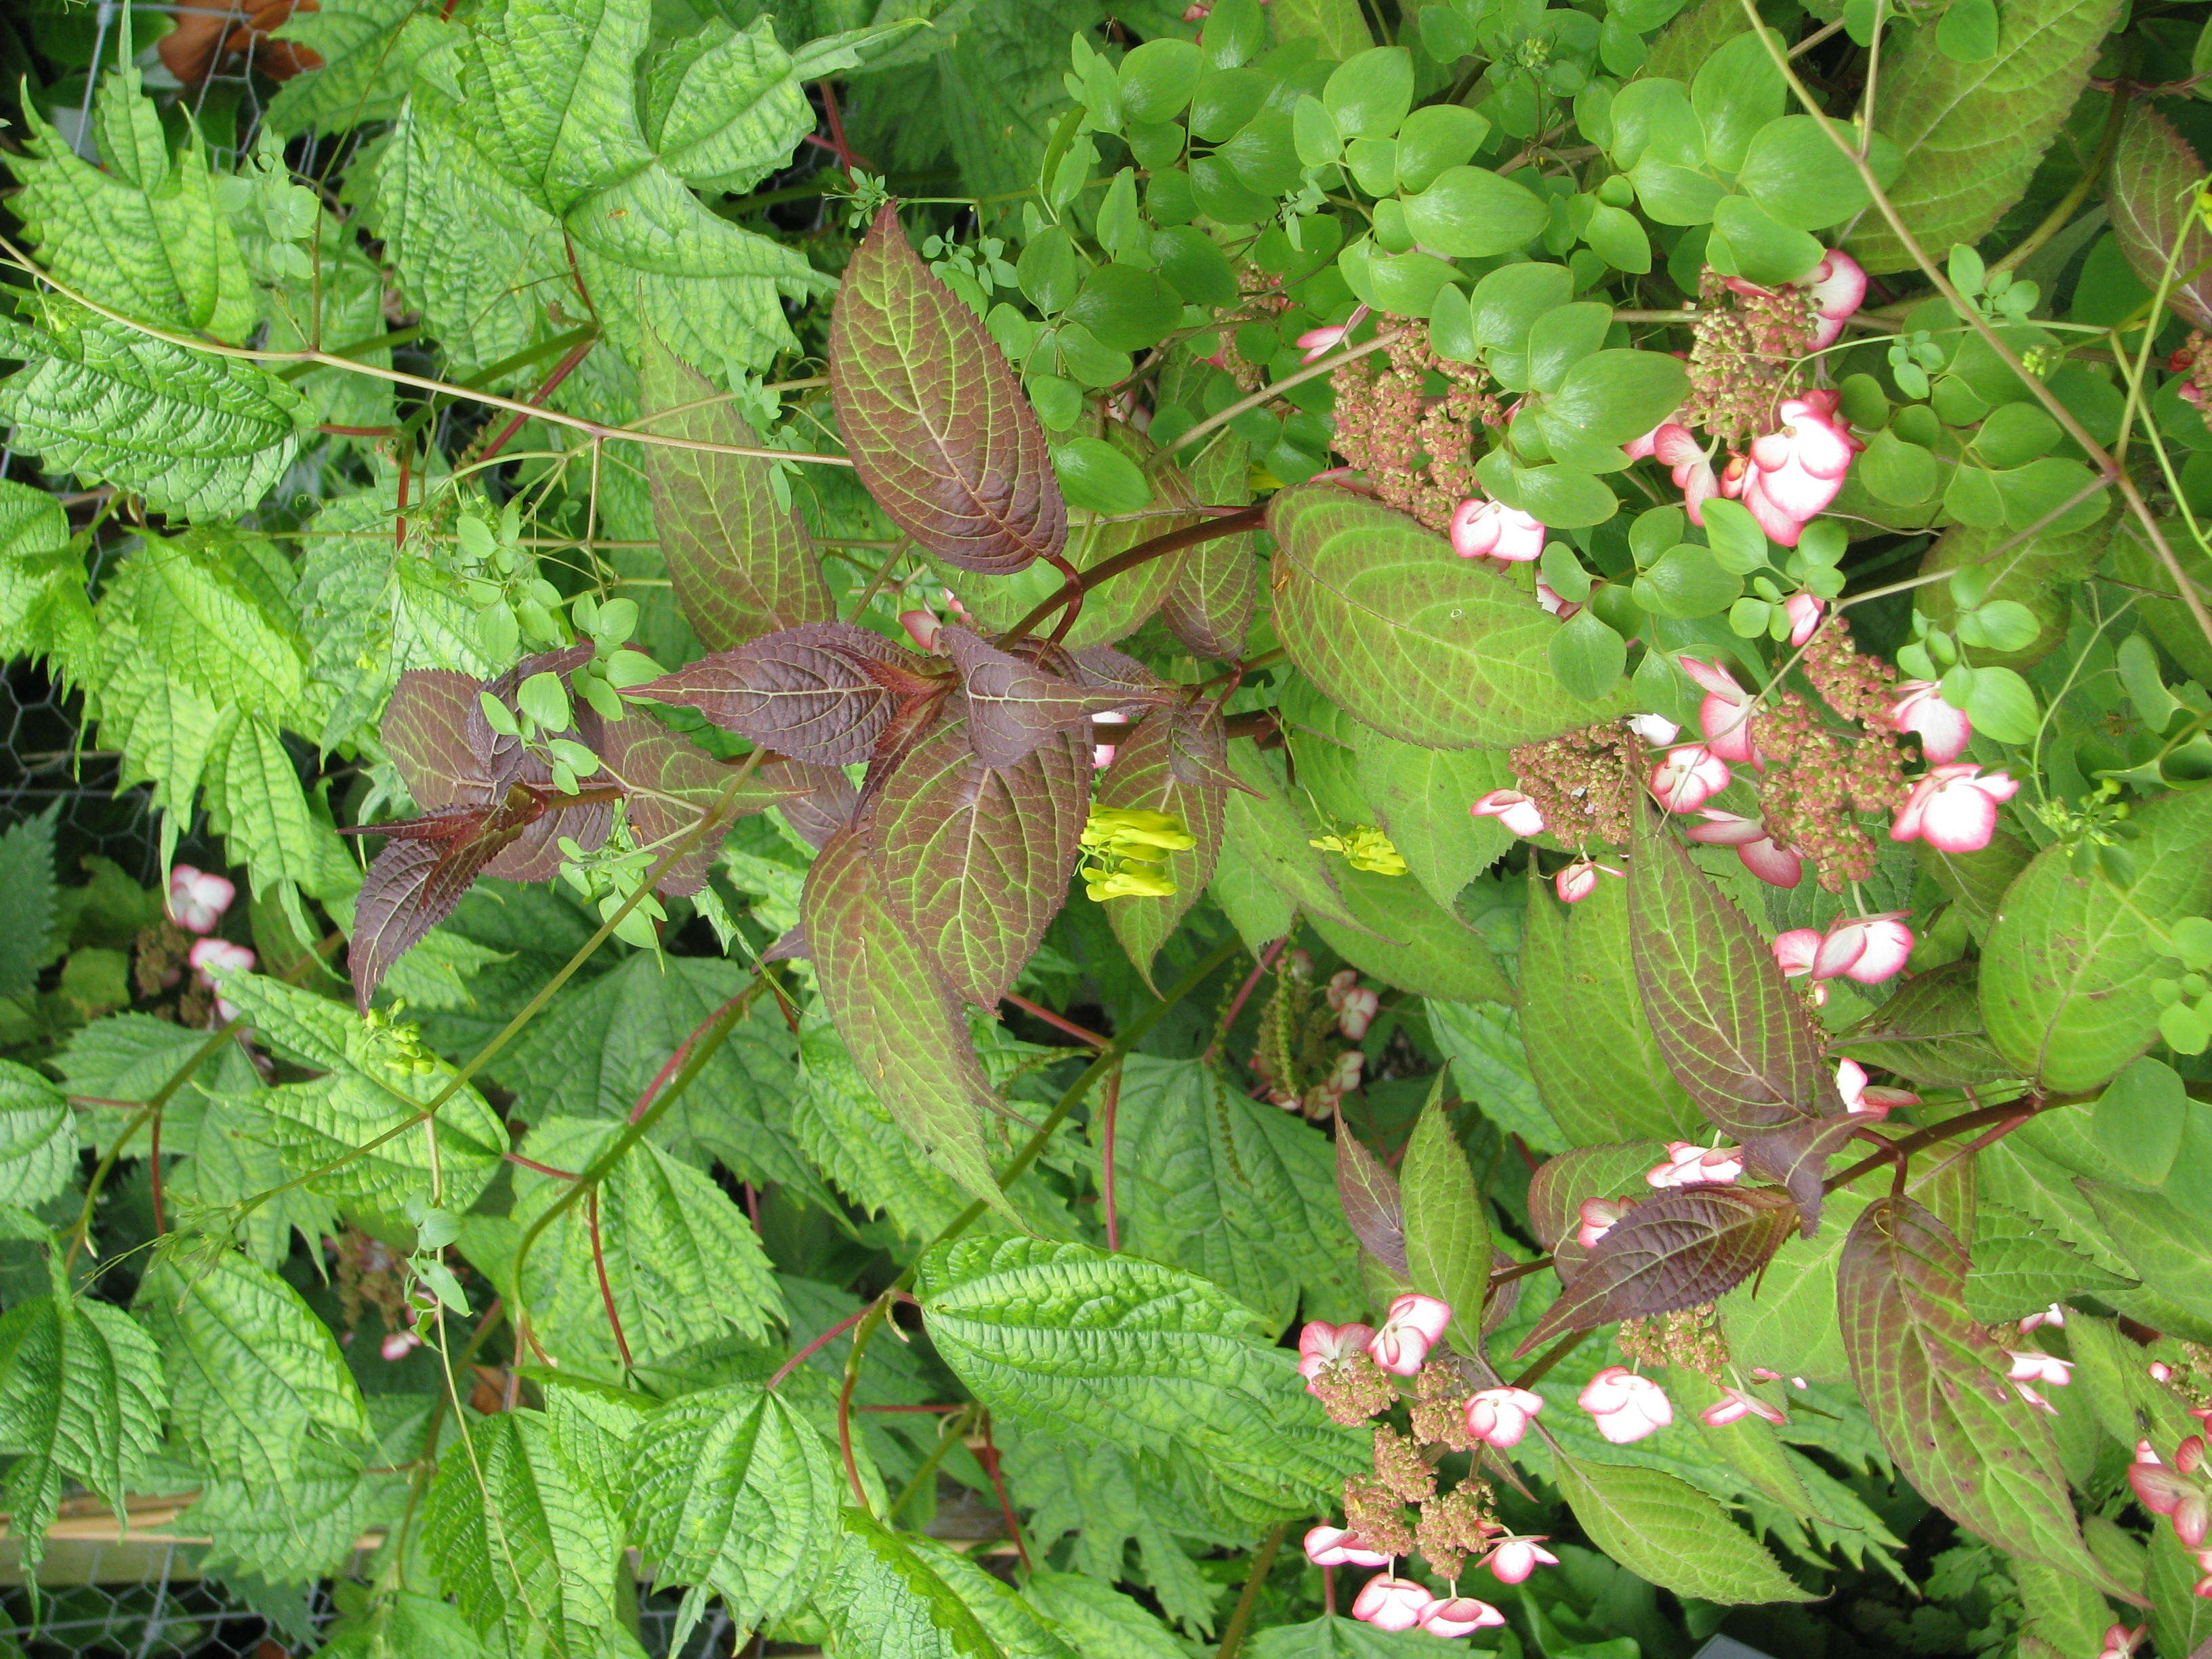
x=1126, y=882
x=1123, y=848
x=1365, y=847
x=1123, y=826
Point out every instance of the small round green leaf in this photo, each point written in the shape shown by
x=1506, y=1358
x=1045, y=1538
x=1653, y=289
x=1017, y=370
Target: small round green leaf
x=1094, y=474
x=1471, y=213
x=1158, y=79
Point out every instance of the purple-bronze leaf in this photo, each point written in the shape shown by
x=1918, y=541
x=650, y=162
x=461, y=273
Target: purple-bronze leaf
x=656, y=764
x=1560, y=1185
x=1797, y=1154
x=936, y=423
x=1146, y=777
x=1372, y=1205
x=1013, y=705
x=1208, y=602
x=741, y=563
x=1727, y=1024
x=422, y=874
x=902, y=1025
x=820, y=813
x=974, y=860
x=806, y=692
x=1934, y=1383
x=1676, y=1250
x=2153, y=200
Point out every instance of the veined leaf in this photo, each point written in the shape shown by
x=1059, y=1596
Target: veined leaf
x=1014, y=704
x=1420, y=797
x=807, y=692
x=1664, y=1530
x=1672, y=1251
x=27, y=897
x=972, y=859
x=908, y=1597
x=1725, y=1021
x=1332, y=1636
x=1929, y=1032
x=1561, y=1183
x=367, y=50
x=1108, y=1348
x=38, y=1142
x=1263, y=826
x=673, y=1251
x=1211, y=587
x=1404, y=938
x=2169, y=1244
x=1098, y=1621
x=901, y=1023
x=741, y=563
x=725, y=107
x=1447, y=1226
x=81, y=1400
x=938, y=430
x=2021, y=1266
x=195, y=435
x=1407, y=637
x=1970, y=135
x=1374, y=1206
x=426, y=866
x=737, y=1494
x=212, y=606
x=551, y=94
x=1146, y=777
x=1934, y=1383
x=2068, y=968
x=255, y=1378
x=1596, y=1062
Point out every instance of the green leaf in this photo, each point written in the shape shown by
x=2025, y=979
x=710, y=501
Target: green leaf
x=673, y=1251
x=901, y=1023
x=1211, y=593
x=1929, y=1032
x=1398, y=934
x=1143, y=778
x=1666, y=1530
x=1795, y=173
x=2068, y=968
x=1447, y=1228
x=941, y=433
x=1472, y=213
x=725, y=107
x=195, y=435
x=1482, y=1040
x=1611, y=396
x=1970, y=135
x=1098, y=477
x=1334, y=1637
x=1229, y=1188
x=741, y=565
x=38, y=1141
x=736, y=1494
x=327, y=1121
x=1420, y=798
x=908, y=1597
x=1967, y=33
x=1408, y=638
x=369, y=49
x=2021, y=1266
x=1112, y=1349
x=81, y=1401
x=1098, y=1621
x=2137, y=1122
x=1370, y=93
x=1759, y=246
x=27, y=900
x=2169, y=1245
x=1268, y=836
x=1933, y=1382
x=1724, y=1017
x=2155, y=173
x=1735, y=92
x=257, y=1386
x=1128, y=309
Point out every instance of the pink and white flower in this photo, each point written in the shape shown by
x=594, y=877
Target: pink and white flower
x=1516, y=811
x=1797, y=469
x=1865, y=949
x=1317, y=342
x=1942, y=730
x=1515, y=1558
x=1579, y=880
x=1323, y=1347
x=1686, y=778
x=1734, y=1405
x=1459, y=1615
x=1355, y=1003
x=1676, y=447
x=1953, y=808
x=1491, y=530
x=1655, y=729
x=214, y=960
x=2175, y=1489
x=398, y=1344
x=1625, y=1406
x=1391, y=1603
x=1413, y=1325
x=1724, y=716
x=922, y=627
x=1334, y=1547
x=197, y=898
x=2121, y=1642
x=2053, y=1315
x=1691, y=1166
x=1596, y=1216
x=1773, y=863
x=1794, y=950
x=1875, y=1102
x=1499, y=1416
x=1838, y=288
x=2029, y=1366
x=1102, y=754
x=1804, y=609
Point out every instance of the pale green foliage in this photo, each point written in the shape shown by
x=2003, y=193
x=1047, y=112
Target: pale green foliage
x=38, y=1142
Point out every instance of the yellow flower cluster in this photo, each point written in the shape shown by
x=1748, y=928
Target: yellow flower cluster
x=1123, y=848
x=1364, y=848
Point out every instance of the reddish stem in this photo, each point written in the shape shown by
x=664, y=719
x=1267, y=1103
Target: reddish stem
x=845, y=1436
x=1107, y=1113
x=600, y=1266
x=399, y=511
x=1072, y=591
x=683, y=1052
x=956, y=1408
x=837, y=146
x=1081, y=1034
x=751, y=1196
x=561, y=371
x=815, y=1347
x=989, y=1457
x=1328, y=1591
x=542, y=1168
x=1267, y=955
x=154, y=1171
x=355, y=431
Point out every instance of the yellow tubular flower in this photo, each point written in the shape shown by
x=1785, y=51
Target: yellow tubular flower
x=1364, y=848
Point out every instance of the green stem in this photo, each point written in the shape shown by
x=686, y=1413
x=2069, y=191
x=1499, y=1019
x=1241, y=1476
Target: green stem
x=1263, y=1561
x=144, y=1116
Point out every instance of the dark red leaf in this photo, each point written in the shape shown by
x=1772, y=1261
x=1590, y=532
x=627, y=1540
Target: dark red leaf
x=1013, y=706
x=1560, y=1185
x=974, y=860
x=421, y=875
x=1674, y=1250
x=1797, y=1155
x=1372, y=1207
x=935, y=422
x=806, y=692
x=818, y=813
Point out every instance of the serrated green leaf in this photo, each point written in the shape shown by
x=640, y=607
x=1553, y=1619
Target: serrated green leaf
x=1231, y=1188
x=204, y=604
x=725, y=107
x=1420, y=798
x=1666, y=1530
x=1334, y=1637
x=1929, y=1032
x=734, y=1493
x=1409, y=638
x=2068, y=967
x=905, y=1597
x=2169, y=1246
x=27, y=900
x=1601, y=1072
x=1267, y=834
x=1098, y=1621
x=369, y=49
x=1934, y=1383
x=1109, y=1348
x=1142, y=778
x=81, y=1400
x=1404, y=938
x=1447, y=1227
x=1971, y=134
x=2021, y=1266
x=195, y=435
x=1482, y=1040
x=255, y=1378
x=742, y=564
x=38, y=1141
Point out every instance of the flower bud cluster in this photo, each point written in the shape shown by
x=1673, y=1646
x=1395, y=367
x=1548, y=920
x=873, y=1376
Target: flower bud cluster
x=1578, y=784
x=1296, y=1058
x=1413, y=440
